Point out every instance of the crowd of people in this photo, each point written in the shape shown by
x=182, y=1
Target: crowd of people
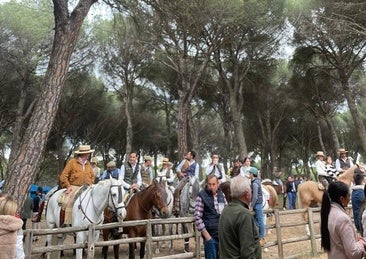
x=229, y=229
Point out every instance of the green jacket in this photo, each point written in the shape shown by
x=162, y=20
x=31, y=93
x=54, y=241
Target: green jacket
x=238, y=233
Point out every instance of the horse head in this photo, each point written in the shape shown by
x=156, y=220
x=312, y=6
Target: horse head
x=160, y=198
x=115, y=199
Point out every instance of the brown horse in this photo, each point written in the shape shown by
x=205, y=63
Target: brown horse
x=139, y=208
x=309, y=195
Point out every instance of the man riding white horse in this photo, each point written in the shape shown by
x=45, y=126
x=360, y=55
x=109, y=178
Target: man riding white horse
x=187, y=169
x=77, y=172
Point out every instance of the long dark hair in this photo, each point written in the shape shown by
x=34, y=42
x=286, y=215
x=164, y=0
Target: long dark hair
x=335, y=191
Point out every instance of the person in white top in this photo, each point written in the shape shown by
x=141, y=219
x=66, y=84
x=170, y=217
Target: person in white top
x=216, y=168
x=166, y=172
x=244, y=170
x=130, y=173
x=343, y=162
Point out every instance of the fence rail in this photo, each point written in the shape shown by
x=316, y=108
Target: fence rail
x=149, y=239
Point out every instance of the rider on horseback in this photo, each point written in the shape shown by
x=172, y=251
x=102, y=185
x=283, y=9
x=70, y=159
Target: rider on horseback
x=131, y=175
x=186, y=169
x=78, y=172
x=325, y=176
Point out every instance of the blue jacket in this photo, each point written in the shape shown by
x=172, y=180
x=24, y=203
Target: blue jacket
x=357, y=198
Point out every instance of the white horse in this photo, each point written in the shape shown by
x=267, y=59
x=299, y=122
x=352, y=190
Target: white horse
x=88, y=209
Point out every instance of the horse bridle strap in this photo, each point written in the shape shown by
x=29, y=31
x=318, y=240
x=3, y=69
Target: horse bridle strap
x=83, y=211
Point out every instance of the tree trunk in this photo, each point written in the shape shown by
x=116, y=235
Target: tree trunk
x=129, y=129
x=25, y=160
x=182, y=126
x=360, y=127
x=334, y=135
x=320, y=136
x=238, y=127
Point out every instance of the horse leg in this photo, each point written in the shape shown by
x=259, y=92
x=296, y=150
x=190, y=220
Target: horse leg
x=116, y=251
x=186, y=240
x=142, y=250
x=131, y=250
x=105, y=238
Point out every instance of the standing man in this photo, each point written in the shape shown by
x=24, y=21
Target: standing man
x=77, y=172
x=238, y=233
x=209, y=204
x=256, y=203
x=186, y=169
x=216, y=169
x=291, y=192
x=146, y=171
x=343, y=162
x=111, y=171
x=357, y=197
x=130, y=173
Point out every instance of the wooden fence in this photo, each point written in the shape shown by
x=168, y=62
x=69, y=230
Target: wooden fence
x=92, y=244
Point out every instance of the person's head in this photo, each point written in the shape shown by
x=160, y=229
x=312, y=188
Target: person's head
x=190, y=155
x=240, y=189
x=320, y=155
x=215, y=159
x=237, y=162
x=8, y=206
x=147, y=160
x=39, y=190
x=338, y=192
x=342, y=152
x=132, y=158
x=247, y=161
x=94, y=161
x=358, y=177
x=166, y=162
x=329, y=160
x=253, y=172
x=212, y=183
x=111, y=165
x=84, y=151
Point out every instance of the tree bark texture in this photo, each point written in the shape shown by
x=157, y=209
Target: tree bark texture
x=25, y=162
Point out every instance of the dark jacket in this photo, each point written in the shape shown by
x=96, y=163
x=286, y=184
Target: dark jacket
x=357, y=198
x=238, y=233
x=210, y=216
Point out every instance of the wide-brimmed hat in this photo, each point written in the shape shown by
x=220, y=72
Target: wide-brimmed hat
x=94, y=160
x=166, y=160
x=84, y=149
x=147, y=158
x=342, y=151
x=319, y=153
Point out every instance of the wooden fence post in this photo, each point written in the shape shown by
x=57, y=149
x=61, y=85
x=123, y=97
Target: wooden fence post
x=198, y=242
x=28, y=244
x=278, y=233
x=91, y=241
x=312, y=232
x=148, y=244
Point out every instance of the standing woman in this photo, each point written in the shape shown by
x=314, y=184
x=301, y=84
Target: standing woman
x=338, y=235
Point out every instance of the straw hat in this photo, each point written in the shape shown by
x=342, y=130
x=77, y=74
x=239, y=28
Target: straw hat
x=319, y=153
x=84, y=149
x=94, y=160
x=342, y=151
x=147, y=158
x=166, y=160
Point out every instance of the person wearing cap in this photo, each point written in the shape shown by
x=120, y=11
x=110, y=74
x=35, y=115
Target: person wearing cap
x=216, y=168
x=130, y=173
x=146, y=171
x=111, y=171
x=96, y=169
x=343, y=162
x=256, y=203
x=77, y=172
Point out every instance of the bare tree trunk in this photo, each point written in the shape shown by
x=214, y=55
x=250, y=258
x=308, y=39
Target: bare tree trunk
x=360, y=127
x=25, y=160
x=182, y=126
x=238, y=127
x=320, y=136
x=334, y=135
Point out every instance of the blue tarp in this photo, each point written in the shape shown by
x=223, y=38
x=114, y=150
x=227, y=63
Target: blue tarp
x=33, y=189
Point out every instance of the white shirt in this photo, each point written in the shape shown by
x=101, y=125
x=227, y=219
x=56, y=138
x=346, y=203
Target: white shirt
x=218, y=168
x=122, y=177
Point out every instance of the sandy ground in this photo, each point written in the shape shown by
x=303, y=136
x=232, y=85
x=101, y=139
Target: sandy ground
x=293, y=250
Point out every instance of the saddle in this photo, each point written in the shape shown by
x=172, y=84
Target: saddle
x=128, y=196
x=63, y=198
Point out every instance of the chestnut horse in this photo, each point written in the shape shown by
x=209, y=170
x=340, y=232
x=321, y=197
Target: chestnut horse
x=309, y=195
x=139, y=208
